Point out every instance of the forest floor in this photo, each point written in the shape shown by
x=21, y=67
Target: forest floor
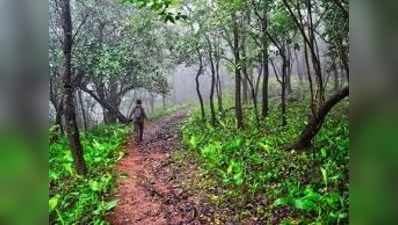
x=150, y=189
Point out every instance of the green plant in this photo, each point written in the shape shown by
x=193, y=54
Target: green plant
x=85, y=199
x=250, y=162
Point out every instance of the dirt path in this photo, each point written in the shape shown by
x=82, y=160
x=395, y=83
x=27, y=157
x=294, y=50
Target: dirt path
x=148, y=191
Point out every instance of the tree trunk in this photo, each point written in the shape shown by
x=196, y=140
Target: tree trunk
x=71, y=128
x=245, y=85
x=58, y=116
x=253, y=94
x=213, y=82
x=238, y=103
x=283, y=85
x=197, y=82
x=106, y=105
x=316, y=121
x=288, y=74
x=219, y=87
x=336, y=79
x=344, y=59
x=83, y=111
x=114, y=100
x=264, y=27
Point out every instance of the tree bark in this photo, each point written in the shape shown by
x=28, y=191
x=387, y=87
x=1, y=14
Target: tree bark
x=283, y=85
x=288, y=74
x=245, y=85
x=238, y=103
x=316, y=121
x=197, y=82
x=71, y=128
x=58, y=117
x=213, y=82
x=253, y=94
x=219, y=86
x=264, y=27
x=336, y=79
x=113, y=99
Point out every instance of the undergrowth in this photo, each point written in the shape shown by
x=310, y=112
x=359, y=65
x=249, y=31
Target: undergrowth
x=84, y=200
x=260, y=179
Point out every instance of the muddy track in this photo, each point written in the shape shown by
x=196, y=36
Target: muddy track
x=148, y=190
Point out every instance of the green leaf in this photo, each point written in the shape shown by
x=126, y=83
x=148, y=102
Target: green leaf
x=323, y=152
x=94, y=185
x=110, y=205
x=324, y=176
x=53, y=202
x=281, y=202
x=304, y=204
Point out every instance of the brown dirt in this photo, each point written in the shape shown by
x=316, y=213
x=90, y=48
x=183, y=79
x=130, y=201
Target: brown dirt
x=148, y=191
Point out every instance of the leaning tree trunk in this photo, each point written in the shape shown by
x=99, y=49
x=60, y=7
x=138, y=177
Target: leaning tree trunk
x=316, y=121
x=71, y=128
x=115, y=100
x=106, y=105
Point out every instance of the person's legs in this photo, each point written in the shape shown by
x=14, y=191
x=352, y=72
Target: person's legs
x=137, y=132
x=141, y=128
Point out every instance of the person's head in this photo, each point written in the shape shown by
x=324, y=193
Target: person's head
x=138, y=102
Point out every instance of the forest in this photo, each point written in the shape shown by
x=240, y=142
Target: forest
x=246, y=103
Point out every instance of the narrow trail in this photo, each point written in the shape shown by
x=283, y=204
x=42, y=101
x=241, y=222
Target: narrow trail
x=148, y=190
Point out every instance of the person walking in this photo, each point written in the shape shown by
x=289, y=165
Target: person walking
x=138, y=117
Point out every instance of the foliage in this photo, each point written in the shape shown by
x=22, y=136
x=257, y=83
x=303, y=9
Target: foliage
x=311, y=185
x=84, y=199
x=161, y=7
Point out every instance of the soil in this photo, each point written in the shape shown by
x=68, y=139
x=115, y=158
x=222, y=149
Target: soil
x=149, y=188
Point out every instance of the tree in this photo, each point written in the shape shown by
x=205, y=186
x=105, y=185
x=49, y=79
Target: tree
x=315, y=123
x=237, y=69
x=319, y=107
x=213, y=81
x=71, y=128
x=261, y=10
x=118, y=53
x=281, y=33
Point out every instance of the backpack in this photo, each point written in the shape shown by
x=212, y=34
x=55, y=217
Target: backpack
x=137, y=115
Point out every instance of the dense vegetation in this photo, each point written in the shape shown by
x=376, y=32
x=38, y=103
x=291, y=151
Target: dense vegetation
x=277, y=132
x=84, y=199
x=299, y=187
